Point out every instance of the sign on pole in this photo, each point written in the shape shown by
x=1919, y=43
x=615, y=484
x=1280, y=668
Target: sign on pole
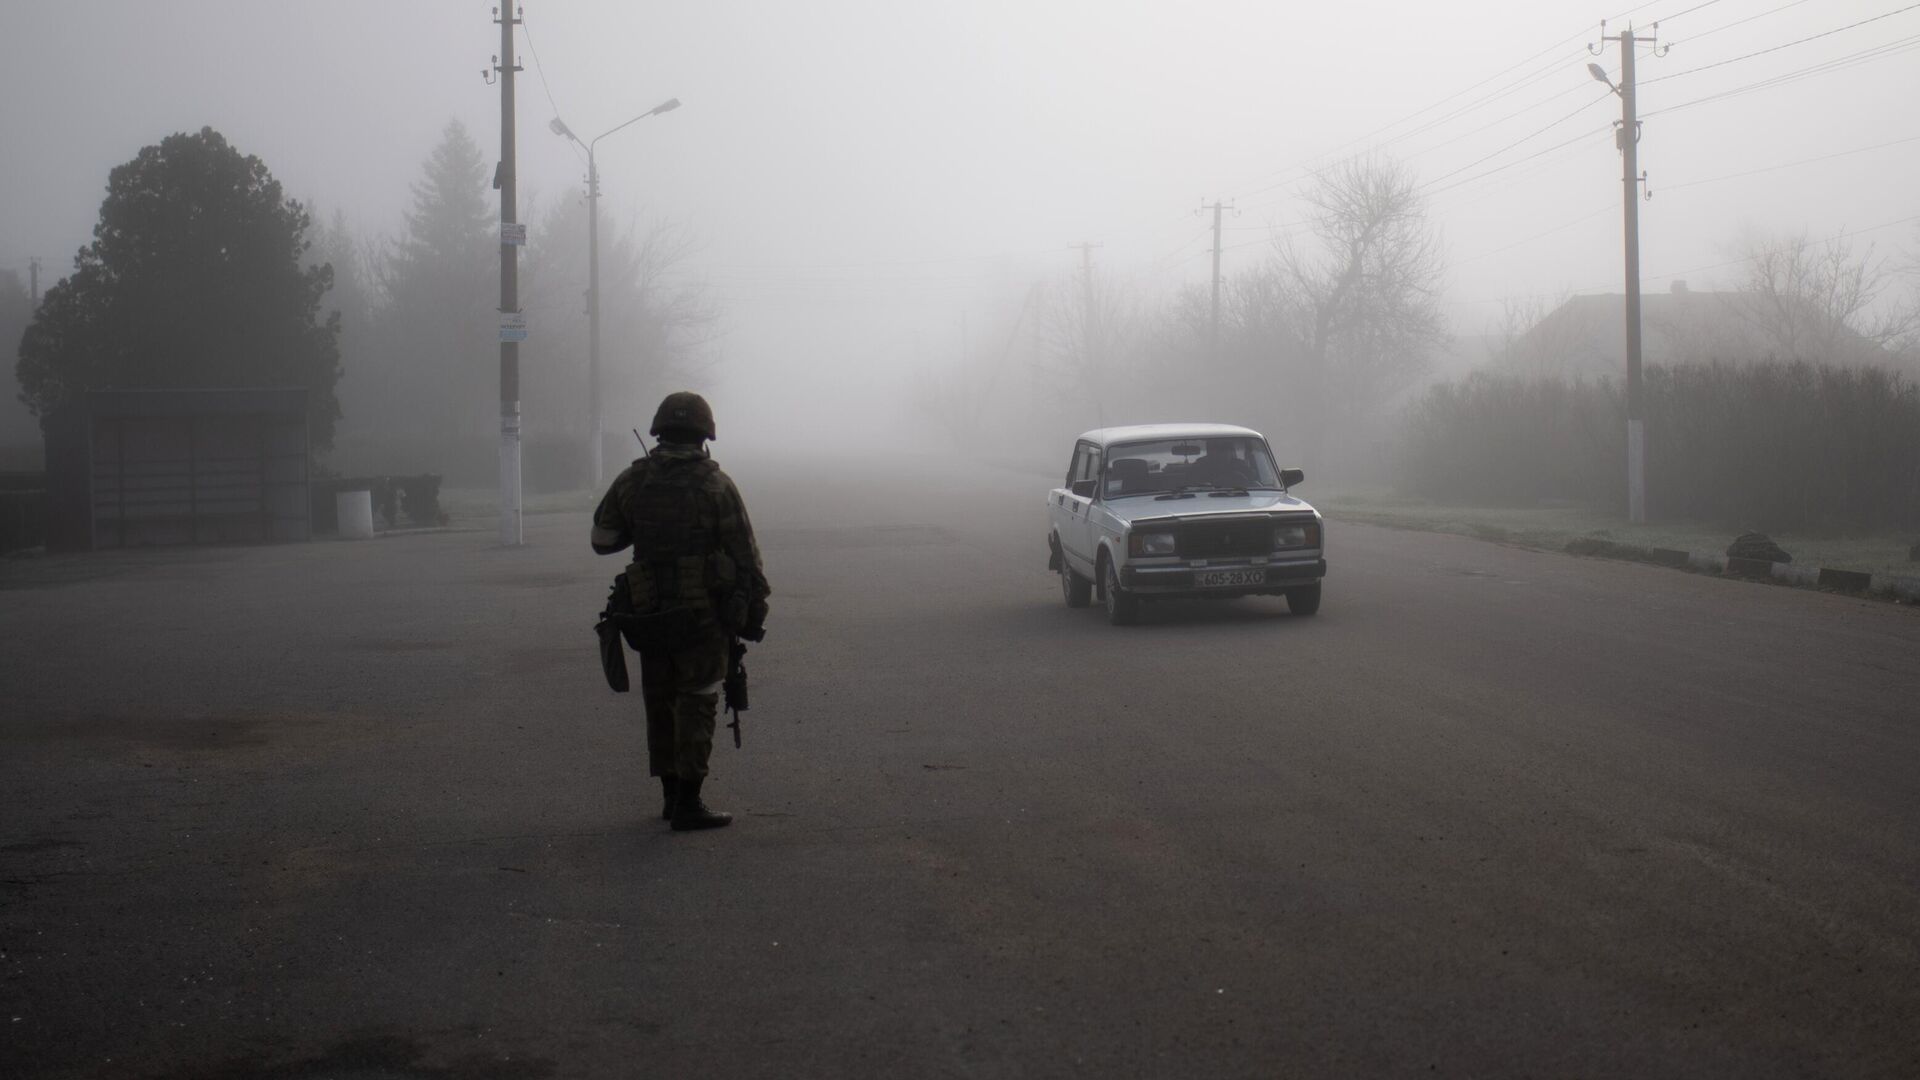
x=513, y=326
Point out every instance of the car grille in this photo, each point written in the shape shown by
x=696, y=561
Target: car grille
x=1224, y=539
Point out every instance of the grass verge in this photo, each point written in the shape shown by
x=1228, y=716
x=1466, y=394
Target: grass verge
x=1551, y=527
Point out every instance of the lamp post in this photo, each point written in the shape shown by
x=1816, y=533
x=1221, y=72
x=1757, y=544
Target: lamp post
x=594, y=454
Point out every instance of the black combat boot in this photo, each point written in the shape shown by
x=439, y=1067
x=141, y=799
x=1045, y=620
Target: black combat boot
x=670, y=788
x=690, y=813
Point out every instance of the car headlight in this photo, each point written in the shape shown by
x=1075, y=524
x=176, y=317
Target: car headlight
x=1150, y=543
x=1304, y=535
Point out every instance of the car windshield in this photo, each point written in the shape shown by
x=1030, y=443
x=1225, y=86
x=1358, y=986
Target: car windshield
x=1173, y=465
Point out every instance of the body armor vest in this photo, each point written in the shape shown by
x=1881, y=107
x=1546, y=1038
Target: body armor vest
x=677, y=566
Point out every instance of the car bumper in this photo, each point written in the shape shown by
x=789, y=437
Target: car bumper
x=1178, y=580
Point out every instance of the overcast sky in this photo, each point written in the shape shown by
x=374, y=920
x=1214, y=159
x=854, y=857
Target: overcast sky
x=864, y=175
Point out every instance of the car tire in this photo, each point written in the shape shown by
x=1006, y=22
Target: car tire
x=1304, y=600
x=1122, y=609
x=1076, y=590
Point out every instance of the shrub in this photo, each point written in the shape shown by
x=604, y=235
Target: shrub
x=1779, y=446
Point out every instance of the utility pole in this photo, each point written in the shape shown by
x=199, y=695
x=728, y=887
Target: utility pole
x=1090, y=334
x=33, y=276
x=1213, y=331
x=595, y=464
x=1631, y=179
x=512, y=324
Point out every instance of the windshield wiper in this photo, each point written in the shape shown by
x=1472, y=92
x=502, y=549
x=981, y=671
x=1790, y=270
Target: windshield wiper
x=1179, y=493
x=1224, y=492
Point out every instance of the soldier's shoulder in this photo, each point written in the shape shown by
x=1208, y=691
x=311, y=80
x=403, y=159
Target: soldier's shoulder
x=631, y=473
x=717, y=478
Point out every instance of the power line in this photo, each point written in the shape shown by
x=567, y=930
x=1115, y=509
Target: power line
x=1332, y=153
x=1822, y=68
x=1526, y=80
x=1689, y=11
x=1576, y=88
x=1743, y=259
x=1517, y=142
x=548, y=90
x=1738, y=22
x=1543, y=234
x=1783, y=45
x=1789, y=164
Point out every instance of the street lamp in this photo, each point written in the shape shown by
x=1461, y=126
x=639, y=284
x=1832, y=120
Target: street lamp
x=593, y=275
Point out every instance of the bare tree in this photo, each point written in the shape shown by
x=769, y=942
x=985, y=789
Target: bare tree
x=1824, y=301
x=1365, y=296
x=1088, y=354
x=654, y=322
x=961, y=397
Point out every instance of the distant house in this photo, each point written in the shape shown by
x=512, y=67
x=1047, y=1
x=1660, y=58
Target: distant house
x=1587, y=335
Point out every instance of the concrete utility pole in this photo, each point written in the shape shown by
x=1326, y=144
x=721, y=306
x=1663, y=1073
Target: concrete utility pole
x=512, y=322
x=1213, y=331
x=1631, y=179
x=33, y=276
x=595, y=454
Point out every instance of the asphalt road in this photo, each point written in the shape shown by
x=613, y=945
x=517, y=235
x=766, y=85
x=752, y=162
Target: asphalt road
x=367, y=810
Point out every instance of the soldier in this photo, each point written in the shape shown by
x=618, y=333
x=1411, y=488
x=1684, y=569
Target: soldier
x=696, y=578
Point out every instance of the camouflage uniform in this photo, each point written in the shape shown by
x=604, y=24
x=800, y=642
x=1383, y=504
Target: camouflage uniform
x=694, y=551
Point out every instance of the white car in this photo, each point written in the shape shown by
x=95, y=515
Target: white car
x=1160, y=510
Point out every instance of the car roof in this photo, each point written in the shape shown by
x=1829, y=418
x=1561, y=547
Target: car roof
x=1110, y=436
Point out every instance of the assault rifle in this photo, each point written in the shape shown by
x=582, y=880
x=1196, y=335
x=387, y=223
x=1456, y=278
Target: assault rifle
x=736, y=685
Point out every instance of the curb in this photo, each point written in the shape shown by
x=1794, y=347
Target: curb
x=1896, y=586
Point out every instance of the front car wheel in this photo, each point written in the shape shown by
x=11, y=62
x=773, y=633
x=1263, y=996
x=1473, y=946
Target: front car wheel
x=1122, y=609
x=1304, y=600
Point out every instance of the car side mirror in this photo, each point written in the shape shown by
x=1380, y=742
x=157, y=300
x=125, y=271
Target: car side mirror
x=1292, y=477
x=1083, y=488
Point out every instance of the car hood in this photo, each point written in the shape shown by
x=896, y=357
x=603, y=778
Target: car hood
x=1142, y=508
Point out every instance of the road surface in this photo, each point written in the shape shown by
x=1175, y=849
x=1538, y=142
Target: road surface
x=368, y=810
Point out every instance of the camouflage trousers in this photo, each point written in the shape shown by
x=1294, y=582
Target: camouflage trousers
x=681, y=689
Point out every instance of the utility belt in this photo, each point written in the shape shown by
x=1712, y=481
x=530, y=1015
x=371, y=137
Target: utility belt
x=679, y=600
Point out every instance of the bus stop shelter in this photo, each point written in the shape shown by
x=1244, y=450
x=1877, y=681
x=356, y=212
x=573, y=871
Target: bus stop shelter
x=131, y=468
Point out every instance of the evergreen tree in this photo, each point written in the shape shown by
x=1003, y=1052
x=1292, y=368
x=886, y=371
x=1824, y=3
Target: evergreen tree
x=196, y=277
x=428, y=374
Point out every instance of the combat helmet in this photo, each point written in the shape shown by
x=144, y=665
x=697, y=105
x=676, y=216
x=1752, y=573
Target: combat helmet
x=684, y=411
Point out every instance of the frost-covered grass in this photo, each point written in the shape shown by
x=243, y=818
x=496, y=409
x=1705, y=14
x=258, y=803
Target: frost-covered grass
x=1550, y=527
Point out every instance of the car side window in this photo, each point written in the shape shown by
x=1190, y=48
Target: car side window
x=1089, y=465
x=1073, y=465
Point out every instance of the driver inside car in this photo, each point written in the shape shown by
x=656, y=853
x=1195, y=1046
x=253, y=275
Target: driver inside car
x=1220, y=467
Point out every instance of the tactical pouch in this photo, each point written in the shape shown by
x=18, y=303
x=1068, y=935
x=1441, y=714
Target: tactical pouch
x=690, y=581
x=613, y=660
x=642, y=590
x=730, y=604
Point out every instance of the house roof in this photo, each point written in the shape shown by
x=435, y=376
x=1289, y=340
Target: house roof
x=1587, y=335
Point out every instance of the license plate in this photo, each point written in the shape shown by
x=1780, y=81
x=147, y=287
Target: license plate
x=1215, y=579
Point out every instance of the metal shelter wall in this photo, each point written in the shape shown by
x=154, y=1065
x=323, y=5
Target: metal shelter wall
x=186, y=467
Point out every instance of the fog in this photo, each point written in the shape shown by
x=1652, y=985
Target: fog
x=871, y=189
